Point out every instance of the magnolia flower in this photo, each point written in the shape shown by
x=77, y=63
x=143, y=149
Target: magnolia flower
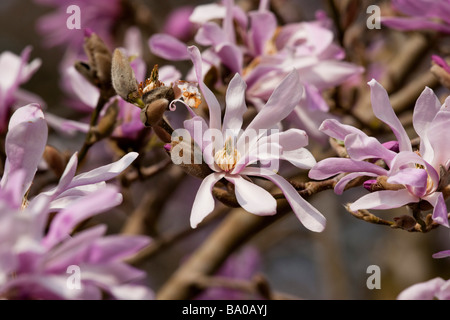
x=15, y=71
x=272, y=52
x=420, y=14
x=38, y=250
x=415, y=174
x=234, y=152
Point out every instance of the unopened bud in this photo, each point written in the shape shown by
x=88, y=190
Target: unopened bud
x=123, y=78
x=152, y=113
x=99, y=58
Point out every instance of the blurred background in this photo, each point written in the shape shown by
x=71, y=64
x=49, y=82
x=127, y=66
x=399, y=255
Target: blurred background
x=329, y=265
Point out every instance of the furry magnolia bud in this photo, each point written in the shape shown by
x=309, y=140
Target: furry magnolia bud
x=98, y=68
x=123, y=78
x=152, y=114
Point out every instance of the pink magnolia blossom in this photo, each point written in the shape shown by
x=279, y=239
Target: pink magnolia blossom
x=418, y=171
x=420, y=15
x=233, y=158
x=274, y=50
x=34, y=255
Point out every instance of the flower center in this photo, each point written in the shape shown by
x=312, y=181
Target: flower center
x=227, y=157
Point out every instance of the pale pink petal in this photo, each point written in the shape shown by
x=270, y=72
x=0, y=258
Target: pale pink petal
x=442, y=254
x=439, y=139
x=25, y=143
x=213, y=105
x=440, y=212
x=383, y=110
x=422, y=291
x=105, y=172
x=204, y=201
x=337, y=130
x=309, y=216
x=231, y=56
x=332, y=166
x=235, y=105
x=253, y=198
x=132, y=292
x=66, y=220
x=210, y=34
x=263, y=25
x=301, y=158
x=168, y=47
x=84, y=90
x=385, y=199
x=280, y=104
x=361, y=147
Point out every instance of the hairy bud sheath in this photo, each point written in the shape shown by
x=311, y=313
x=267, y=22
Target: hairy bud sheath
x=123, y=78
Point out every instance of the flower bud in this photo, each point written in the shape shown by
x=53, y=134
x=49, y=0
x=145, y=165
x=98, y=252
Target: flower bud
x=152, y=114
x=99, y=58
x=123, y=78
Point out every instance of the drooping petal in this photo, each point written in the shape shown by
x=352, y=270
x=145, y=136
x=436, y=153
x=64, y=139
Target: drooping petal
x=235, y=105
x=204, y=201
x=383, y=110
x=253, y=198
x=422, y=291
x=213, y=105
x=309, y=216
x=440, y=212
x=333, y=166
x=385, y=199
x=25, y=143
x=168, y=47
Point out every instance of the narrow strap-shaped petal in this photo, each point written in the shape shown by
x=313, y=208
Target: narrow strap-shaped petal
x=333, y=166
x=383, y=110
x=263, y=24
x=309, y=216
x=235, y=105
x=204, y=201
x=168, y=47
x=252, y=197
x=340, y=186
x=439, y=139
x=105, y=172
x=337, y=130
x=66, y=220
x=215, y=117
x=385, y=199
